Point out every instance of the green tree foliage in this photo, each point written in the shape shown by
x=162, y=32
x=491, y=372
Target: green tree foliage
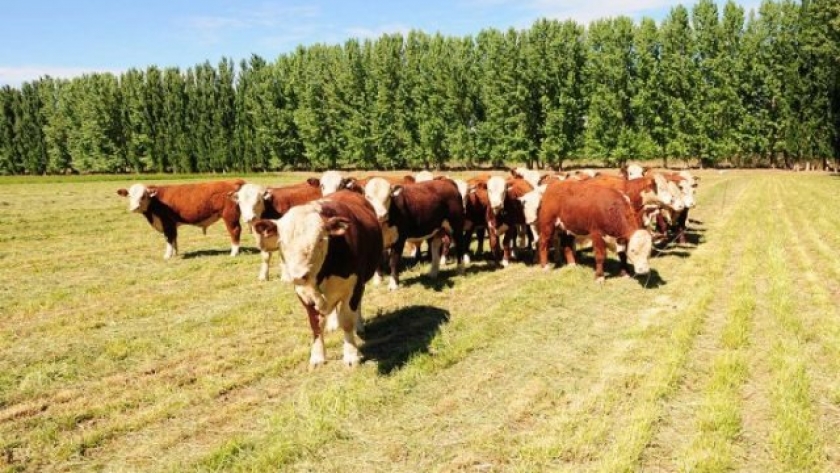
x=710, y=83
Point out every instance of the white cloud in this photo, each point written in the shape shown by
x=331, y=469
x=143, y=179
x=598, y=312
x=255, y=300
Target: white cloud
x=212, y=29
x=373, y=33
x=15, y=76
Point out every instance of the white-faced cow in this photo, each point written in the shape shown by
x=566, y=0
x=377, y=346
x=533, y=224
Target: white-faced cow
x=256, y=201
x=418, y=212
x=505, y=215
x=331, y=248
x=600, y=214
x=201, y=204
x=332, y=181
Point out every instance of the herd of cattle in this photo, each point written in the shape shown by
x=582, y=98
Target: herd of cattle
x=334, y=233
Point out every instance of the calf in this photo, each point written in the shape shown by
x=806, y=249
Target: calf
x=418, y=212
x=331, y=248
x=256, y=201
x=202, y=204
x=602, y=214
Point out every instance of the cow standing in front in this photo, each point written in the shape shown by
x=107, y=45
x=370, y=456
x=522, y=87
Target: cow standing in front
x=331, y=248
x=201, y=204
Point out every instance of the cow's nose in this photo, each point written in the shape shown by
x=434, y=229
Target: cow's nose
x=641, y=271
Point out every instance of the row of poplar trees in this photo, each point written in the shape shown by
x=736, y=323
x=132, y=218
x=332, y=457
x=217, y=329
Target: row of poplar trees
x=706, y=85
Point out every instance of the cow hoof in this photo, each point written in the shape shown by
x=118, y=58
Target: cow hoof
x=392, y=286
x=505, y=263
x=352, y=361
x=600, y=280
x=314, y=365
x=377, y=280
x=467, y=259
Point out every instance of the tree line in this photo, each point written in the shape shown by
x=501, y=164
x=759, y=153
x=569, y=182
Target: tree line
x=707, y=85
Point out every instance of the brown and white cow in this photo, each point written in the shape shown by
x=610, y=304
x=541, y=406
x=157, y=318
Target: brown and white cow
x=506, y=215
x=256, y=201
x=332, y=181
x=646, y=194
x=532, y=176
x=331, y=248
x=601, y=214
x=200, y=204
x=358, y=185
x=418, y=212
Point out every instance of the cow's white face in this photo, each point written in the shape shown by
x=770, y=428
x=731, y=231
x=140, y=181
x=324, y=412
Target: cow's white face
x=496, y=191
x=687, y=190
x=423, y=176
x=678, y=201
x=138, y=198
x=662, y=196
x=378, y=193
x=531, y=203
x=634, y=171
x=330, y=182
x=638, y=251
x=251, y=200
x=303, y=242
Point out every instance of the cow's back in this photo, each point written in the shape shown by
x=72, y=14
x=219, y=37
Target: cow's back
x=581, y=208
x=195, y=203
x=359, y=250
x=425, y=205
x=284, y=198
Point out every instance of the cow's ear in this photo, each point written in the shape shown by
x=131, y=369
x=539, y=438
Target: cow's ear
x=336, y=226
x=266, y=228
x=233, y=196
x=349, y=183
x=314, y=182
x=409, y=179
x=471, y=189
x=397, y=190
x=122, y=192
x=267, y=194
x=153, y=193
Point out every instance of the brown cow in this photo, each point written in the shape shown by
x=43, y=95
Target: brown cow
x=331, y=248
x=602, y=214
x=256, y=201
x=646, y=194
x=202, y=204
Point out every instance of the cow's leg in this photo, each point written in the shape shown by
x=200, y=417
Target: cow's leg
x=625, y=268
x=396, y=252
x=230, y=215
x=479, y=235
x=599, y=248
x=508, y=240
x=446, y=245
x=546, y=235
x=171, y=234
x=347, y=320
x=682, y=222
x=265, y=257
x=469, y=228
x=567, y=243
x=317, y=356
x=434, y=248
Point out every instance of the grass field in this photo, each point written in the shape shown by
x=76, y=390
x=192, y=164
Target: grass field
x=726, y=358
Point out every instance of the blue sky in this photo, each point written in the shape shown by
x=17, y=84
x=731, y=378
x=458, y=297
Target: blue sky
x=67, y=38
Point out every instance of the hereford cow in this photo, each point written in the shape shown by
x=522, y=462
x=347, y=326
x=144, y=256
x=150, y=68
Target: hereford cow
x=256, y=201
x=600, y=214
x=532, y=176
x=332, y=181
x=647, y=194
x=506, y=215
x=358, y=185
x=202, y=204
x=476, y=205
x=331, y=248
x=418, y=212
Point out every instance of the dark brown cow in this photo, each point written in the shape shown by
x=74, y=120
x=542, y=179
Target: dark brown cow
x=256, y=201
x=331, y=248
x=476, y=205
x=418, y=212
x=202, y=204
x=602, y=214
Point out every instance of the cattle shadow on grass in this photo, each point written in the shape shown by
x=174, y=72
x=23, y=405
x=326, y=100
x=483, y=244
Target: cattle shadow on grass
x=391, y=340
x=444, y=279
x=202, y=253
